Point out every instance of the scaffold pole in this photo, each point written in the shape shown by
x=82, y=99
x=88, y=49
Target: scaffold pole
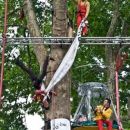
x=67, y=40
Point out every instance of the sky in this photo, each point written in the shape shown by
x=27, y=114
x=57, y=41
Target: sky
x=34, y=122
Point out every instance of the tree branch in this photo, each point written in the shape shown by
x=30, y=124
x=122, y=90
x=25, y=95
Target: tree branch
x=109, y=53
x=34, y=30
x=114, y=19
x=35, y=79
x=26, y=69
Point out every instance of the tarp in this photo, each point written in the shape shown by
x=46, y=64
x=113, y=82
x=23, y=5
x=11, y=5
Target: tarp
x=67, y=60
x=65, y=64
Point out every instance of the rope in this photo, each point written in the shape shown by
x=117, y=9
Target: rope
x=117, y=101
x=3, y=50
x=54, y=109
x=53, y=105
x=116, y=115
x=117, y=88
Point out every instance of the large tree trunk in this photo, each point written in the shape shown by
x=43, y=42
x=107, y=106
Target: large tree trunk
x=126, y=28
x=34, y=30
x=110, y=54
x=60, y=107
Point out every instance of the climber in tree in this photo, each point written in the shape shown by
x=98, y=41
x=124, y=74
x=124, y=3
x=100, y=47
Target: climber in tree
x=37, y=81
x=82, y=13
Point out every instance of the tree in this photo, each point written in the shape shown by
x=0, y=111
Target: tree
x=57, y=53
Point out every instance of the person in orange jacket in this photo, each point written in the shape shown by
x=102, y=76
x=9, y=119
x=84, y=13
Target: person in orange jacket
x=103, y=114
x=83, y=11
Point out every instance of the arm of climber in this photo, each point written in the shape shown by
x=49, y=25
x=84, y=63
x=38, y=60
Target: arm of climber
x=26, y=69
x=88, y=9
x=107, y=114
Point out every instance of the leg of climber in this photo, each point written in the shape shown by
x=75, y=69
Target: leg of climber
x=85, y=31
x=70, y=28
x=79, y=19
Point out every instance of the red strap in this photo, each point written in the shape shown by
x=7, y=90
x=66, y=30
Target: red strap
x=3, y=50
x=119, y=61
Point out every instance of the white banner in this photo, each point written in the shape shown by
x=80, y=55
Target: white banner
x=65, y=64
x=67, y=61
x=60, y=124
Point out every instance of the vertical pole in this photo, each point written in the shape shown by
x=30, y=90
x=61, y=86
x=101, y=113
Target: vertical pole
x=117, y=100
x=89, y=114
x=117, y=95
x=3, y=48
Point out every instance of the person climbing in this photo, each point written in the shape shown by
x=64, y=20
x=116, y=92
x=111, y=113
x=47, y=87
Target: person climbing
x=82, y=13
x=37, y=81
x=103, y=114
x=39, y=97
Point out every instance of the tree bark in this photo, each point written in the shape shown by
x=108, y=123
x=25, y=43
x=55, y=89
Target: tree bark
x=126, y=28
x=34, y=31
x=110, y=56
x=129, y=108
x=60, y=106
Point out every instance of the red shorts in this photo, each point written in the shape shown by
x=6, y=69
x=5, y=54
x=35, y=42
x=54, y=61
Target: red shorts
x=80, y=17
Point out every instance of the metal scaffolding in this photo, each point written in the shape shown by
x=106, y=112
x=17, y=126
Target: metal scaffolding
x=66, y=40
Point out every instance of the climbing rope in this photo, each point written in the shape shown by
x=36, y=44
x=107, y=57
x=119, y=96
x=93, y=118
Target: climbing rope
x=117, y=101
x=3, y=48
x=119, y=63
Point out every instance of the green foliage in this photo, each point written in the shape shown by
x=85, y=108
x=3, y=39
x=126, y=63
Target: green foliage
x=44, y=16
x=17, y=85
x=16, y=93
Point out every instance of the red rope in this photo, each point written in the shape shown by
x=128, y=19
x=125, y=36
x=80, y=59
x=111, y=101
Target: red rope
x=118, y=101
x=119, y=63
x=3, y=48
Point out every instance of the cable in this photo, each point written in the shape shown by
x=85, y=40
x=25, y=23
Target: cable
x=117, y=88
x=3, y=50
